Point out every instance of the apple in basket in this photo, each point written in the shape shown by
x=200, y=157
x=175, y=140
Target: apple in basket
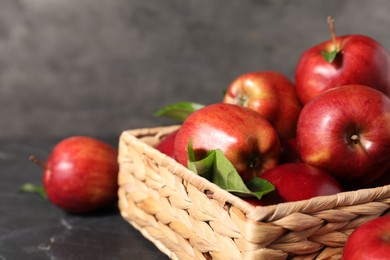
x=346, y=132
x=299, y=181
x=369, y=241
x=80, y=174
x=166, y=145
x=247, y=140
x=271, y=94
x=343, y=60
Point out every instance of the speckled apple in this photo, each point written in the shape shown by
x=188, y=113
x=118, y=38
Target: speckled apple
x=360, y=60
x=271, y=94
x=369, y=241
x=248, y=141
x=346, y=131
x=81, y=175
x=299, y=181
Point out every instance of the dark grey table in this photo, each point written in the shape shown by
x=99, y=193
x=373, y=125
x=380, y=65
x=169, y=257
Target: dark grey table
x=32, y=228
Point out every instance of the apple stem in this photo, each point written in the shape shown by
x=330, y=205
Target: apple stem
x=38, y=162
x=242, y=100
x=333, y=32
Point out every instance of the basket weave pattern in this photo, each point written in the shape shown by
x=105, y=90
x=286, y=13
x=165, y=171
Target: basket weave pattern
x=188, y=217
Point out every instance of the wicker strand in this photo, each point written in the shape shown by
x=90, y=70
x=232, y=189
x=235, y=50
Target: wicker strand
x=188, y=217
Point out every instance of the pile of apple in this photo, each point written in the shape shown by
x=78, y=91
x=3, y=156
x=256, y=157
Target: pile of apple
x=326, y=133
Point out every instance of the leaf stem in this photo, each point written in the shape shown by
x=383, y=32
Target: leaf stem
x=32, y=188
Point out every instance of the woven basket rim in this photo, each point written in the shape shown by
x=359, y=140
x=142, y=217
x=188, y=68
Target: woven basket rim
x=254, y=213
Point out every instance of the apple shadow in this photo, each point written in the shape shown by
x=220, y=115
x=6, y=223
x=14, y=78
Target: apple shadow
x=103, y=212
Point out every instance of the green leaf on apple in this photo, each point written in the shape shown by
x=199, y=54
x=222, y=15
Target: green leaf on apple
x=218, y=169
x=178, y=111
x=329, y=56
x=32, y=188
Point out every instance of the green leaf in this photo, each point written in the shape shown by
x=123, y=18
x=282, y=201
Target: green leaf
x=218, y=169
x=178, y=111
x=190, y=151
x=260, y=186
x=32, y=188
x=329, y=56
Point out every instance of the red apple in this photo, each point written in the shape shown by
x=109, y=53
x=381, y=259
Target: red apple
x=369, y=241
x=359, y=60
x=272, y=95
x=248, y=141
x=346, y=131
x=299, y=181
x=166, y=145
x=81, y=175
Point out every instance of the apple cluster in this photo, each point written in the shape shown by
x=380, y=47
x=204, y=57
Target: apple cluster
x=326, y=132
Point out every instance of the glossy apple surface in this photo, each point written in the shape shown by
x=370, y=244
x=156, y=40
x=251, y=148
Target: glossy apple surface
x=361, y=60
x=167, y=144
x=369, y=241
x=346, y=131
x=81, y=175
x=248, y=141
x=299, y=181
x=272, y=95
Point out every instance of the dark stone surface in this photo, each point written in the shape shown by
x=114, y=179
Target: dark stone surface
x=32, y=228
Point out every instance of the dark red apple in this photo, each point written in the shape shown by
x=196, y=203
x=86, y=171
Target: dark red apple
x=248, y=141
x=369, y=241
x=299, y=181
x=167, y=144
x=81, y=175
x=346, y=132
x=358, y=59
x=272, y=95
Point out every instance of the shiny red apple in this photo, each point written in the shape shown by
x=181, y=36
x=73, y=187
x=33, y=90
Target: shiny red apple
x=272, y=95
x=358, y=59
x=299, y=181
x=81, y=174
x=248, y=141
x=166, y=145
x=346, y=131
x=370, y=241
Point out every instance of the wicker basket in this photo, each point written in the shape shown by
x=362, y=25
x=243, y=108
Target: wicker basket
x=188, y=217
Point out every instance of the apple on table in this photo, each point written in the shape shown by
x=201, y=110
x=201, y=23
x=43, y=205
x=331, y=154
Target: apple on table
x=81, y=174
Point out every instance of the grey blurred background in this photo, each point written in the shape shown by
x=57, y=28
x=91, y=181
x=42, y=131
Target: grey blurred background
x=98, y=67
